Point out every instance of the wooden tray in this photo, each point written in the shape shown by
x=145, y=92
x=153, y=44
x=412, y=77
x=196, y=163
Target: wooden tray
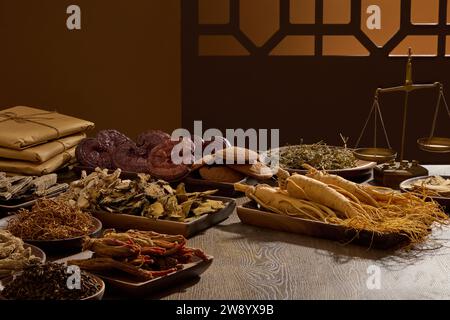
x=249, y=213
x=126, y=221
x=58, y=246
x=135, y=287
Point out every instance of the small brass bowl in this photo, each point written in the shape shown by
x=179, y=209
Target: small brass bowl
x=378, y=155
x=434, y=144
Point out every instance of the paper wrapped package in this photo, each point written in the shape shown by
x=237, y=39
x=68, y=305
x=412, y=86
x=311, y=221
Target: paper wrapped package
x=43, y=152
x=38, y=169
x=22, y=127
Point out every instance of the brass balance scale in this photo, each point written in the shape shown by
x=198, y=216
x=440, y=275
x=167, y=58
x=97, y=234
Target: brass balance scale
x=389, y=172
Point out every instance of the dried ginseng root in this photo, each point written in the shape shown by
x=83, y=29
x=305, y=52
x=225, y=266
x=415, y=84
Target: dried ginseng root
x=328, y=198
x=141, y=254
x=13, y=255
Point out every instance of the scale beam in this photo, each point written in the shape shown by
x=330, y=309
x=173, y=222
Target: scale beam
x=409, y=88
x=392, y=173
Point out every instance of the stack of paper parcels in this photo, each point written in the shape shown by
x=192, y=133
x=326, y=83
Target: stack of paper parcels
x=37, y=142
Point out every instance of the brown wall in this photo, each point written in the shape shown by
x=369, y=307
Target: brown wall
x=122, y=70
x=309, y=93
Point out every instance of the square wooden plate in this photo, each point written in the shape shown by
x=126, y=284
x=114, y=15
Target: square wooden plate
x=251, y=214
x=133, y=286
x=188, y=229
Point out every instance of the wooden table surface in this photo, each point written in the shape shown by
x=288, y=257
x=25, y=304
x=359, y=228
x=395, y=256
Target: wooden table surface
x=255, y=263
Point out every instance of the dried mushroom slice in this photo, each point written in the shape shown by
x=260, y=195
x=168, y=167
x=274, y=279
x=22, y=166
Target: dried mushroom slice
x=130, y=158
x=152, y=138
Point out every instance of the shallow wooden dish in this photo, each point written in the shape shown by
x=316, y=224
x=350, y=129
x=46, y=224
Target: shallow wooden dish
x=134, y=287
x=443, y=201
x=58, y=246
x=36, y=252
x=97, y=296
x=249, y=213
x=188, y=229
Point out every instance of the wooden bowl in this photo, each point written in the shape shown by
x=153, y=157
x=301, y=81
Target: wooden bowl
x=60, y=245
x=96, y=296
x=99, y=295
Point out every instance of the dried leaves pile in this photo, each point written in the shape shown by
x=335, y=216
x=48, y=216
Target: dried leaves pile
x=319, y=156
x=101, y=191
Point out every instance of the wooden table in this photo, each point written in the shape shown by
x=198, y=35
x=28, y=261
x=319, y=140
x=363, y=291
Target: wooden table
x=254, y=263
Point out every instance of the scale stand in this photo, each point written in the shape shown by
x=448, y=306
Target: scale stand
x=391, y=172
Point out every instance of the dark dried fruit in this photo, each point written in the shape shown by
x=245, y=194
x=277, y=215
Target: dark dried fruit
x=49, y=282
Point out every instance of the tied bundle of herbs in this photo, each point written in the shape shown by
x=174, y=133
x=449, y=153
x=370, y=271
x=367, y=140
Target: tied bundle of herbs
x=49, y=282
x=319, y=156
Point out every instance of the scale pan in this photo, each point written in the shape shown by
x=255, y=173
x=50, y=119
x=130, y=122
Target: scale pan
x=378, y=155
x=434, y=144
